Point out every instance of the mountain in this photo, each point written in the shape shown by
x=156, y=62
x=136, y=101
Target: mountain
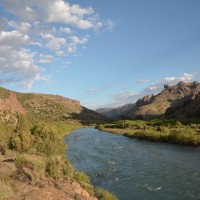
x=45, y=107
x=152, y=107
x=189, y=109
x=115, y=113
x=182, y=96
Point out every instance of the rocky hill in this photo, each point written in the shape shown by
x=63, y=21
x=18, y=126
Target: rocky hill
x=152, y=107
x=189, y=109
x=180, y=101
x=33, y=162
x=116, y=113
x=44, y=107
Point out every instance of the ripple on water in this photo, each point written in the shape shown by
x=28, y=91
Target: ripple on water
x=134, y=169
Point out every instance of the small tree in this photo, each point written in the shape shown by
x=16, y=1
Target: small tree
x=22, y=140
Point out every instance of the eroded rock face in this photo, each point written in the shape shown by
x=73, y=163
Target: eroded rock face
x=10, y=107
x=145, y=100
x=189, y=109
x=171, y=98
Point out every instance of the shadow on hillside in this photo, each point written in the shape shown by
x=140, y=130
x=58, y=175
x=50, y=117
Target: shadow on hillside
x=87, y=117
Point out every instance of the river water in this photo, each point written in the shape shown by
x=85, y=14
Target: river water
x=136, y=170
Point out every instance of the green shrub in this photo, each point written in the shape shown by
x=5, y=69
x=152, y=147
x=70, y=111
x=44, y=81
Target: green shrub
x=21, y=161
x=104, y=195
x=21, y=140
x=52, y=168
x=5, y=137
x=48, y=140
x=84, y=181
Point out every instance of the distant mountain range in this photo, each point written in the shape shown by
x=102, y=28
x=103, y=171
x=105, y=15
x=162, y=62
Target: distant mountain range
x=45, y=107
x=179, y=101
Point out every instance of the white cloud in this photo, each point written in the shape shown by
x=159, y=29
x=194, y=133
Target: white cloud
x=123, y=98
x=173, y=80
x=141, y=81
x=56, y=43
x=13, y=38
x=65, y=30
x=56, y=11
x=158, y=87
x=110, y=24
x=60, y=53
x=47, y=36
x=18, y=66
x=76, y=40
x=45, y=58
x=22, y=27
x=39, y=26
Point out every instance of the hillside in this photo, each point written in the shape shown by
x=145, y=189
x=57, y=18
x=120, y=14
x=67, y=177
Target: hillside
x=33, y=163
x=172, y=96
x=116, y=113
x=154, y=107
x=189, y=109
x=44, y=107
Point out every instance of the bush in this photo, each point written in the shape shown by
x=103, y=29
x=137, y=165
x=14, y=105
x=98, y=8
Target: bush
x=5, y=137
x=48, y=140
x=21, y=140
x=104, y=195
x=84, y=181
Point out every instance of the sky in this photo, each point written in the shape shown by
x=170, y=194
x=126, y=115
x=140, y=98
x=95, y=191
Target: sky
x=103, y=53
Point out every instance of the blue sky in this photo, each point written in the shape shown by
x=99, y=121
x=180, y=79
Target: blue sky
x=103, y=53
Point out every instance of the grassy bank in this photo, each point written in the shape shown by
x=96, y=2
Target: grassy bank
x=171, y=131
x=36, y=152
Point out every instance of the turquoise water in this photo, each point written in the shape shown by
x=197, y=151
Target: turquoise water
x=134, y=169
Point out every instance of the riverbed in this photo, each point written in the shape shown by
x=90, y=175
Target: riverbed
x=133, y=169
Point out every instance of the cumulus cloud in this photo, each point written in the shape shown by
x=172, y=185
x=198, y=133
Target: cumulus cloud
x=51, y=11
x=158, y=87
x=40, y=26
x=56, y=43
x=65, y=30
x=19, y=67
x=22, y=27
x=13, y=38
x=45, y=58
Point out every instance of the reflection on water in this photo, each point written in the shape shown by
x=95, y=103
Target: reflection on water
x=134, y=169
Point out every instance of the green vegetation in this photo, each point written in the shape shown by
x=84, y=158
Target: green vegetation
x=172, y=131
x=40, y=152
x=100, y=193
x=104, y=195
x=4, y=93
x=32, y=138
x=84, y=181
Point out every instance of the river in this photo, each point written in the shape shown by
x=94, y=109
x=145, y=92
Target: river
x=133, y=169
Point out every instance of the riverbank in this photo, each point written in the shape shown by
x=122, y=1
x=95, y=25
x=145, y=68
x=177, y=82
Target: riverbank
x=22, y=178
x=169, y=131
x=33, y=164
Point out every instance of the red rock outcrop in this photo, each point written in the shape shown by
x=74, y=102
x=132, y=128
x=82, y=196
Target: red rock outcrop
x=11, y=104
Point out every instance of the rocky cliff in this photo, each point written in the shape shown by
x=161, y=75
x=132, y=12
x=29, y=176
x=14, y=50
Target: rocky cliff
x=152, y=107
x=182, y=97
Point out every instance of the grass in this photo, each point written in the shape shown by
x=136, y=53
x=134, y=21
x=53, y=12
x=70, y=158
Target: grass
x=5, y=191
x=104, y=194
x=84, y=181
x=172, y=131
